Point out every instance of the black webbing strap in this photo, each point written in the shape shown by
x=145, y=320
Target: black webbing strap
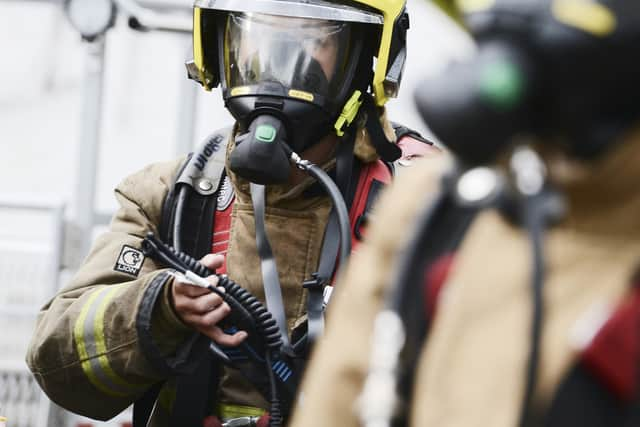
x=582, y=400
x=143, y=406
x=441, y=228
x=344, y=167
x=187, y=222
x=315, y=286
x=331, y=240
x=362, y=219
x=194, y=394
x=194, y=219
x=268, y=267
x=386, y=150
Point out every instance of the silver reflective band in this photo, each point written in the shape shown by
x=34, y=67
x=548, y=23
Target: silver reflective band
x=241, y=422
x=319, y=9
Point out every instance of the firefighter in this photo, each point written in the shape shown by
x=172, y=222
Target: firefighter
x=514, y=298
x=304, y=80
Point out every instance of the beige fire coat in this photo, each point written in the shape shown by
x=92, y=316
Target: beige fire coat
x=111, y=333
x=471, y=370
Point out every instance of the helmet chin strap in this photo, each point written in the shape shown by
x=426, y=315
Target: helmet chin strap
x=387, y=150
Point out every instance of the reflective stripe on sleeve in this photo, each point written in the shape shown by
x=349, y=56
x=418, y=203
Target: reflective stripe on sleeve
x=228, y=411
x=91, y=345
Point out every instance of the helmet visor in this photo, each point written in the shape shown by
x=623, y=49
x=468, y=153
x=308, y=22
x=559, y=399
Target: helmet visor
x=303, y=55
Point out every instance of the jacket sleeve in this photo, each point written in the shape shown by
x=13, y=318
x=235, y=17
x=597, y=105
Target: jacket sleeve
x=109, y=335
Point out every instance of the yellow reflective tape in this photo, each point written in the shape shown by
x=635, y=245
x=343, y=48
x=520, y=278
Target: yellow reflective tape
x=198, y=50
x=78, y=330
x=101, y=346
x=301, y=94
x=78, y=333
x=588, y=16
x=227, y=411
x=240, y=90
x=167, y=397
x=390, y=12
x=470, y=6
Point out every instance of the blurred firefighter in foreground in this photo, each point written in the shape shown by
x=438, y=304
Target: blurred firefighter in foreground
x=514, y=300
x=304, y=80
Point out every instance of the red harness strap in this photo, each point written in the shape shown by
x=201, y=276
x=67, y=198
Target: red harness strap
x=376, y=172
x=614, y=353
x=222, y=233
x=372, y=177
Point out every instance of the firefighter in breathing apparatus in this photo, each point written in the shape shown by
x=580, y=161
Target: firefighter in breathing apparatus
x=300, y=80
x=514, y=298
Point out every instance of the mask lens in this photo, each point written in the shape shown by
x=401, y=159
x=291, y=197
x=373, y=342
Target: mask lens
x=297, y=53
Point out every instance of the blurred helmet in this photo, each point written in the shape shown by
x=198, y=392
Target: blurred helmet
x=565, y=68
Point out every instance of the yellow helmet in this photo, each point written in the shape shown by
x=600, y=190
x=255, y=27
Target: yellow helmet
x=388, y=16
x=457, y=8
x=449, y=7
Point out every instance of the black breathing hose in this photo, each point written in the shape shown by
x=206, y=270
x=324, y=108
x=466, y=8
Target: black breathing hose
x=534, y=221
x=336, y=198
x=275, y=409
x=181, y=199
x=247, y=307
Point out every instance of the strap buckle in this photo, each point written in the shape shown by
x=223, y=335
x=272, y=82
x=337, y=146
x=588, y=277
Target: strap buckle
x=316, y=283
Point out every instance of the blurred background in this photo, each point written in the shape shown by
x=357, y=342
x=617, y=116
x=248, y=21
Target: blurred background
x=78, y=116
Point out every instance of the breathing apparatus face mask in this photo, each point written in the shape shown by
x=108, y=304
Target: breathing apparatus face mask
x=307, y=55
x=281, y=77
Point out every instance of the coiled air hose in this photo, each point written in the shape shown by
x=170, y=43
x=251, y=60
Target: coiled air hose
x=247, y=312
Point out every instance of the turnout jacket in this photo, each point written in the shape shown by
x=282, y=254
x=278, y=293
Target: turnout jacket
x=111, y=333
x=472, y=367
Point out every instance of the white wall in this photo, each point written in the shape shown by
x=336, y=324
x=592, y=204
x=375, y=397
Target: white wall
x=41, y=69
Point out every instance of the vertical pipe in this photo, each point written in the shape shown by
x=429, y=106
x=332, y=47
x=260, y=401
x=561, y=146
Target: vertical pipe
x=89, y=145
x=57, y=249
x=187, y=107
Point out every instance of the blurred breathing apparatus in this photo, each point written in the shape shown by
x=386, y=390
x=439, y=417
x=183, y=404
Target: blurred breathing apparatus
x=558, y=71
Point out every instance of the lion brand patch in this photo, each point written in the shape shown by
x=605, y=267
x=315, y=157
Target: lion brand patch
x=129, y=261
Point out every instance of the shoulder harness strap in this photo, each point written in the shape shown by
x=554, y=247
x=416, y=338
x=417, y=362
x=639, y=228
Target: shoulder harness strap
x=188, y=212
x=187, y=221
